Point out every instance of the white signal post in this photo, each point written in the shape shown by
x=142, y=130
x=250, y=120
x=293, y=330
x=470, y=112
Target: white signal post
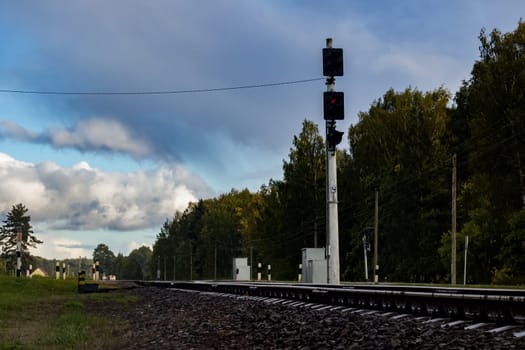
x=332, y=233
x=333, y=220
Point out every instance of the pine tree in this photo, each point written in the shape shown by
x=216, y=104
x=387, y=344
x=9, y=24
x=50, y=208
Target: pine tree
x=17, y=218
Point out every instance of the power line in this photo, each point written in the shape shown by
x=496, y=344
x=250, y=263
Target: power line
x=159, y=92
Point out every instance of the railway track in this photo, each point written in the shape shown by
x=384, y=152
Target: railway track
x=490, y=310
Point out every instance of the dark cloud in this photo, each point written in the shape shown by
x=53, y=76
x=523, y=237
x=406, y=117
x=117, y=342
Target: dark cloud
x=97, y=134
x=75, y=246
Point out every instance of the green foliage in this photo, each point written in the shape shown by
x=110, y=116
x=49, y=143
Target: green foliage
x=17, y=219
x=136, y=266
x=488, y=133
x=398, y=150
x=512, y=252
x=48, y=313
x=105, y=257
x=72, y=329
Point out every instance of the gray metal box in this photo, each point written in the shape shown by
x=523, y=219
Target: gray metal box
x=241, y=269
x=314, y=265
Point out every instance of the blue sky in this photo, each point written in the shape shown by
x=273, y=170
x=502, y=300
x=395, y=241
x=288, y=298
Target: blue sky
x=111, y=169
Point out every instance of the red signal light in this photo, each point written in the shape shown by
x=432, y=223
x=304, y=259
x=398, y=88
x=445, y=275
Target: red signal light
x=334, y=105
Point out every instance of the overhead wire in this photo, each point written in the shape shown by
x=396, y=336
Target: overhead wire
x=158, y=92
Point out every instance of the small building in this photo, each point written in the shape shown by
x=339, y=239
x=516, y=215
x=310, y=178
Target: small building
x=39, y=272
x=241, y=269
x=314, y=265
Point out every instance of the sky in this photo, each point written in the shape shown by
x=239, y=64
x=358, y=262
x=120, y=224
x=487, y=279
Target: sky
x=113, y=168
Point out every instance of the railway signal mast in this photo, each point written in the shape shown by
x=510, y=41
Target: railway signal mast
x=333, y=104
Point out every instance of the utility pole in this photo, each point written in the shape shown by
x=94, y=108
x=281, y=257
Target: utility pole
x=174, y=266
x=333, y=110
x=215, y=262
x=453, y=238
x=251, y=262
x=376, y=229
x=365, y=248
x=158, y=268
x=465, y=262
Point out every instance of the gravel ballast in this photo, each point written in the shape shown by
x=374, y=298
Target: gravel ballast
x=175, y=319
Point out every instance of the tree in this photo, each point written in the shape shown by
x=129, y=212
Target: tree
x=397, y=148
x=105, y=257
x=488, y=125
x=137, y=264
x=493, y=102
x=17, y=219
x=304, y=185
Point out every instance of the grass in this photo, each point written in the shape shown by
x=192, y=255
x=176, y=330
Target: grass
x=44, y=313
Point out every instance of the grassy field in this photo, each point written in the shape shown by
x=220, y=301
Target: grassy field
x=44, y=313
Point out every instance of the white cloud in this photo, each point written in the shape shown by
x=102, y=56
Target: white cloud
x=61, y=247
x=82, y=197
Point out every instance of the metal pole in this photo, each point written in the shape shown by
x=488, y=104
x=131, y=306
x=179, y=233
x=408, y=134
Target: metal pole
x=366, y=258
x=465, y=262
x=453, y=238
x=158, y=268
x=251, y=262
x=332, y=232
x=376, y=229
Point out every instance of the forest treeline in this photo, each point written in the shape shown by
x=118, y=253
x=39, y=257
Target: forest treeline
x=403, y=148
